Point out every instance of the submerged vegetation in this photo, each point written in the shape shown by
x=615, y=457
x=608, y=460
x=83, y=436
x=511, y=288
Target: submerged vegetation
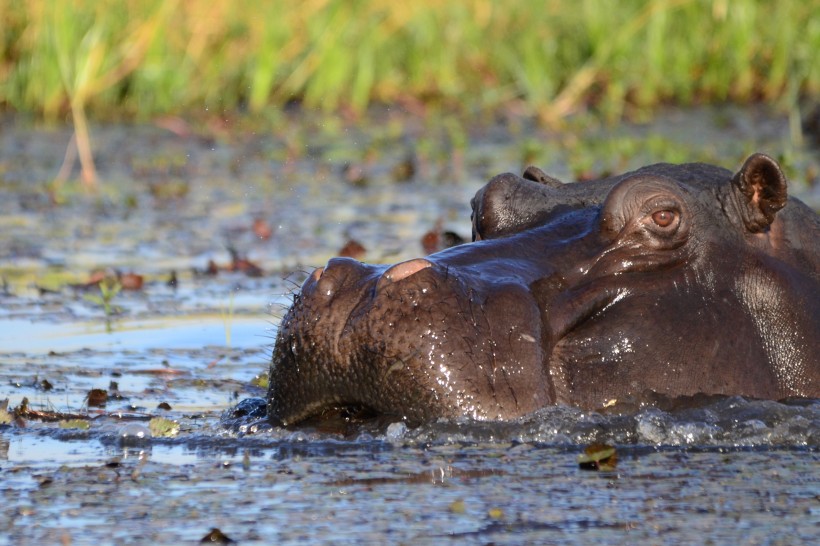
x=146, y=58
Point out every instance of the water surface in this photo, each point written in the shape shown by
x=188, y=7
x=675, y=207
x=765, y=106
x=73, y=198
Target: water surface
x=719, y=471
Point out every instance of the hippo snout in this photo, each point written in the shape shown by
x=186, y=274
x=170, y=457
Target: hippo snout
x=342, y=276
x=414, y=340
x=339, y=273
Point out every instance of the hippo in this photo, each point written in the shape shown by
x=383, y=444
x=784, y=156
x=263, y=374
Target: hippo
x=671, y=279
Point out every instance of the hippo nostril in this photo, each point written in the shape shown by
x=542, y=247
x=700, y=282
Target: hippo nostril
x=338, y=274
x=311, y=283
x=405, y=269
x=402, y=271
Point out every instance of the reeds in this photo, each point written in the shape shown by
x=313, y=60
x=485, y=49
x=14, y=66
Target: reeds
x=142, y=58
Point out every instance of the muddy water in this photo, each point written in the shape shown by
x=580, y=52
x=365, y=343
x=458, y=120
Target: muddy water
x=170, y=203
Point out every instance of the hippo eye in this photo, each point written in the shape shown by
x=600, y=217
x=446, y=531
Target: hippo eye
x=664, y=218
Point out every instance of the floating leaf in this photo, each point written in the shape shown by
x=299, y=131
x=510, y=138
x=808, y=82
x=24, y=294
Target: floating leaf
x=495, y=513
x=458, y=507
x=260, y=380
x=163, y=428
x=262, y=229
x=97, y=398
x=131, y=281
x=598, y=457
x=75, y=423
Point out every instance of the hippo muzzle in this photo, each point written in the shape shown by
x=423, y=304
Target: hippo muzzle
x=417, y=340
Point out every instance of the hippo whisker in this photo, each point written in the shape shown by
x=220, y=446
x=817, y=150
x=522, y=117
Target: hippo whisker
x=295, y=286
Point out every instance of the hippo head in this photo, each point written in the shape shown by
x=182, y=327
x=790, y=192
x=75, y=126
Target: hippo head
x=677, y=279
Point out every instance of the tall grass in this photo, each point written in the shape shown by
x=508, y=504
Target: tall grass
x=114, y=58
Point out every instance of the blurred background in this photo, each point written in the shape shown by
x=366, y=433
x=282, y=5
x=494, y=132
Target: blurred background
x=115, y=59
x=291, y=132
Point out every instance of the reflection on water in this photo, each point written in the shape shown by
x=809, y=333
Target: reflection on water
x=32, y=337
x=265, y=489
x=44, y=452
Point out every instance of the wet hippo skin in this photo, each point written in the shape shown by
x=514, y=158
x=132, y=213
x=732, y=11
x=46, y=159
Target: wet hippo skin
x=672, y=279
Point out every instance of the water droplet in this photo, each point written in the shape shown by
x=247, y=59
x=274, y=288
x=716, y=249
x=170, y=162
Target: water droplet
x=396, y=431
x=134, y=434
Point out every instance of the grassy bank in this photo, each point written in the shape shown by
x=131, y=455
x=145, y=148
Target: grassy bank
x=142, y=58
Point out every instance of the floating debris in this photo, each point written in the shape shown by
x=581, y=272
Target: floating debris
x=405, y=169
x=352, y=249
x=495, y=513
x=215, y=536
x=437, y=239
x=131, y=281
x=23, y=411
x=111, y=280
x=242, y=264
x=262, y=381
x=355, y=175
x=163, y=428
x=262, y=229
x=79, y=424
x=211, y=269
x=600, y=457
x=97, y=398
x=239, y=264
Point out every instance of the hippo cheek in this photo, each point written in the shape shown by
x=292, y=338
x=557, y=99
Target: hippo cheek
x=473, y=351
x=513, y=353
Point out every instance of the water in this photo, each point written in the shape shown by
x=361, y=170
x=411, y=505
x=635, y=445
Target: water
x=710, y=470
x=346, y=492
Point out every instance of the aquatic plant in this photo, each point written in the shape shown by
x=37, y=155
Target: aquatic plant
x=227, y=314
x=82, y=53
x=161, y=427
x=109, y=288
x=80, y=424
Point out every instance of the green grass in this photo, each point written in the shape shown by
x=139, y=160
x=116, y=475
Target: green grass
x=111, y=59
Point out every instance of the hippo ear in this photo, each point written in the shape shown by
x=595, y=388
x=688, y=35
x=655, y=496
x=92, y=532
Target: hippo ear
x=761, y=189
x=537, y=175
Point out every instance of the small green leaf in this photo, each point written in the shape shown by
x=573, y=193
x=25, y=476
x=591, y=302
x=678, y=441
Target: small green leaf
x=598, y=457
x=80, y=424
x=260, y=380
x=163, y=428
